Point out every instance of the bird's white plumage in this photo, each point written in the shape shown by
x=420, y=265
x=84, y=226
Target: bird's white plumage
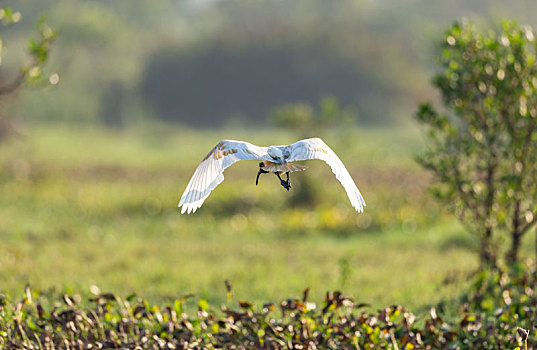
x=209, y=173
x=315, y=148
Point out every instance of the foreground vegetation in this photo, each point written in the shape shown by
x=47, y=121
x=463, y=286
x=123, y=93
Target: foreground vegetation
x=498, y=313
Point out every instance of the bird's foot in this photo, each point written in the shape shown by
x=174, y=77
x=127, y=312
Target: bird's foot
x=286, y=184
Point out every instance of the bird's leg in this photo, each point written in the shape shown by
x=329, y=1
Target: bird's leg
x=288, y=183
x=261, y=171
x=285, y=184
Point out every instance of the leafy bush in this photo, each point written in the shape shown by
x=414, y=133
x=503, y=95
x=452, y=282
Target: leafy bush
x=499, y=312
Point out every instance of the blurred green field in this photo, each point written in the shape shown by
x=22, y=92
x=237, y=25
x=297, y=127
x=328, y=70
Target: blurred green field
x=88, y=206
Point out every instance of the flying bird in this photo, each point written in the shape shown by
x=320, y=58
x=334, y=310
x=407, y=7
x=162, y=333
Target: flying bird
x=274, y=159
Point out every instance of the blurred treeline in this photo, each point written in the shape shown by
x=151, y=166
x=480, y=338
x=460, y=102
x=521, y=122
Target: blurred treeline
x=207, y=63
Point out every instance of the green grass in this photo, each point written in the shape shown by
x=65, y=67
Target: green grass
x=86, y=206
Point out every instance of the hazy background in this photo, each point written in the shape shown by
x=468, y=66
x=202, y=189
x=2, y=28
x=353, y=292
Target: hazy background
x=207, y=62
x=89, y=186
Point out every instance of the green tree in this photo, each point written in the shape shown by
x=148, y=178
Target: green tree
x=482, y=149
x=38, y=53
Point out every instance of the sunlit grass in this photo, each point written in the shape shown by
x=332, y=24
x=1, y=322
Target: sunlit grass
x=84, y=207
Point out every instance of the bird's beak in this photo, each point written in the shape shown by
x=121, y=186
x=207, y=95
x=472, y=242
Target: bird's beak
x=257, y=178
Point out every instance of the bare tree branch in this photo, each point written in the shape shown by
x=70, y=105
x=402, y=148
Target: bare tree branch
x=14, y=85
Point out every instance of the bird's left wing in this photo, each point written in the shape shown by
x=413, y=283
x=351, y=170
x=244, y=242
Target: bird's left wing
x=209, y=173
x=315, y=148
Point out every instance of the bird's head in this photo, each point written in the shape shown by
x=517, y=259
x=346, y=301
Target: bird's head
x=261, y=164
x=275, y=153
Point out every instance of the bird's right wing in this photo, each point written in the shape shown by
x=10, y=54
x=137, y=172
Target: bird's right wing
x=315, y=148
x=209, y=173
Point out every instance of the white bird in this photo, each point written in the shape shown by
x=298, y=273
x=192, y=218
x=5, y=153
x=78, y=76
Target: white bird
x=275, y=159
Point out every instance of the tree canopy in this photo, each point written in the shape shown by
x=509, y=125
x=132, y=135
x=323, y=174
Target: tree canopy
x=482, y=148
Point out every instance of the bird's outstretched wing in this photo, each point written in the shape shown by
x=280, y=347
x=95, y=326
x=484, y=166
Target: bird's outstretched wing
x=315, y=148
x=209, y=173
